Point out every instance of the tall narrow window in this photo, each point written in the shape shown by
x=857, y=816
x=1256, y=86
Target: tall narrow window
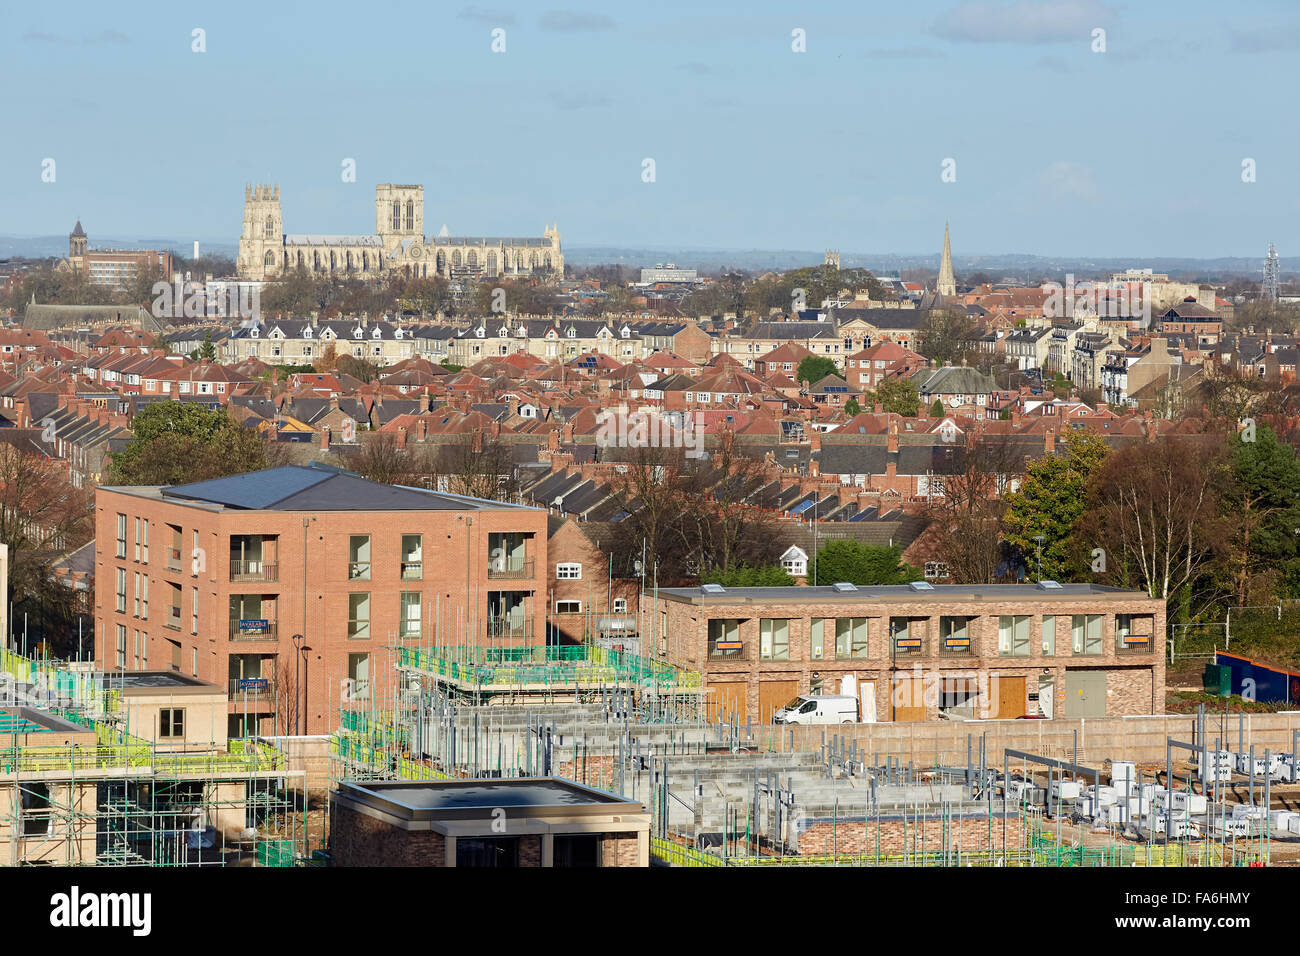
x=774, y=639
x=410, y=215
x=410, y=614
x=359, y=616
x=817, y=639
x=121, y=536
x=412, y=557
x=397, y=215
x=359, y=557
x=121, y=590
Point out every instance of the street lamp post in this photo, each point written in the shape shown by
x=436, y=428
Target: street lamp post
x=297, y=682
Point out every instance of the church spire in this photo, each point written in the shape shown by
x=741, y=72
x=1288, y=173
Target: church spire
x=947, y=283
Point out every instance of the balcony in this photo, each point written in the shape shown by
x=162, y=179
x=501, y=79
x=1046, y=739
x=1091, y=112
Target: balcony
x=1132, y=644
x=956, y=647
x=250, y=688
x=510, y=570
x=253, y=630
x=909, y=646
x=504, y=629
x=254, y=571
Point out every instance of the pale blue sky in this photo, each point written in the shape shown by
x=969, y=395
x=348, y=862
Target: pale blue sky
x=1059, y=150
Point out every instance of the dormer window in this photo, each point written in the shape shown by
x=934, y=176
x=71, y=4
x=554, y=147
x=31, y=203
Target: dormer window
x=572, y=333
x=252, y=333
x=306, y=333
x=478, y=333
x=377, y=333
x=357, y=333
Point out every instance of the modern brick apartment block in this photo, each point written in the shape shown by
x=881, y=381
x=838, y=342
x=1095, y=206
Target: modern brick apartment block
x=984, y=651
x=539, y=821
x=282, y=586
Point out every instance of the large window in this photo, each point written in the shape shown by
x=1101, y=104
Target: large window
x=774, y=639
x=1085, y=634
x=499, y=852
x=724, y=638
x=1013, y=635
x=171, y=723
x=851, y=637
x=954, y=635
x=359, y=557
x=817, y=639
x=359, y=615
x=412, y=557
x=410, y=614
x=576, y=850
x=1049, y=635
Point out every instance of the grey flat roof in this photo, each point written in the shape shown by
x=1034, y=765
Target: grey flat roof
x=938, y=593
x=470, y=799
x=133, y=679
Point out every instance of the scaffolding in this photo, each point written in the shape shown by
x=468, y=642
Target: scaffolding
x=78, y=788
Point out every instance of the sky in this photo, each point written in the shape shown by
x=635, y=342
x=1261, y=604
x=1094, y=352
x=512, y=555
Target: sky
x=1058, y=148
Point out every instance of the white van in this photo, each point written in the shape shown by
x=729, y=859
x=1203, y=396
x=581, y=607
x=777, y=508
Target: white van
x=818, y=709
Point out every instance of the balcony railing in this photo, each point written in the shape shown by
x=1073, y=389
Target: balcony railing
x=956, y=647
x=511, y=569
x=412, y=570
x=1132, y=644
x=910, y=646
x=250, y=688
x=253, y=630
x=504, y=629
x=254, y=571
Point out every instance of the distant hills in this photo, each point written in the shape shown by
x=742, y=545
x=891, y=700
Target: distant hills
x=708, y=260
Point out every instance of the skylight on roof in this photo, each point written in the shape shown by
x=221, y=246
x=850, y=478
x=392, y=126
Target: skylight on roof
x=921, y=586
x=1049, y=585
x=844, y=586
x=713, y=589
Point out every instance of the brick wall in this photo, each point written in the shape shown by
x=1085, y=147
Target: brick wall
x=915, y=835
x=361, y=840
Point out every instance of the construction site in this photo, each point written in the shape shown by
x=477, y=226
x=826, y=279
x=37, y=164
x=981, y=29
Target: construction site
x=954, y=793
x=134, y=769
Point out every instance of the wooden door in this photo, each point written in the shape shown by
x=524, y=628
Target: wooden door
x=725, y=699
x=908, y=702
x=773, y=695
x=1010, y=697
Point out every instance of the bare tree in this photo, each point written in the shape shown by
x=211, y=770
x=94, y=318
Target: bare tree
x=1155, y=515
x=967, y=519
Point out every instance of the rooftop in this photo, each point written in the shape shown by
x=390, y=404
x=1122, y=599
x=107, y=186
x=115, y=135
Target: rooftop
x=476, y=799
x=938, y=593
x=309, y=488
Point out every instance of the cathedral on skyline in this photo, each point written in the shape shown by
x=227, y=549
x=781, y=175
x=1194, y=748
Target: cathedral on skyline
x=398, y=245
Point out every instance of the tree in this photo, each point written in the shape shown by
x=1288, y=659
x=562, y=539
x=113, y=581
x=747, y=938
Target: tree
x=966, y=520
x=41, y=514
x=744, y=576
x=858, y=563
x=1262, y=503
x=946, y=336
x=851, y=407
x=208, y=350
x=180, y=442
x=1154, y=514
x=1043, y=515
x=483, y=469
x=936, y=410
x=897, y=395
x=380, y=459
x=814, y=368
